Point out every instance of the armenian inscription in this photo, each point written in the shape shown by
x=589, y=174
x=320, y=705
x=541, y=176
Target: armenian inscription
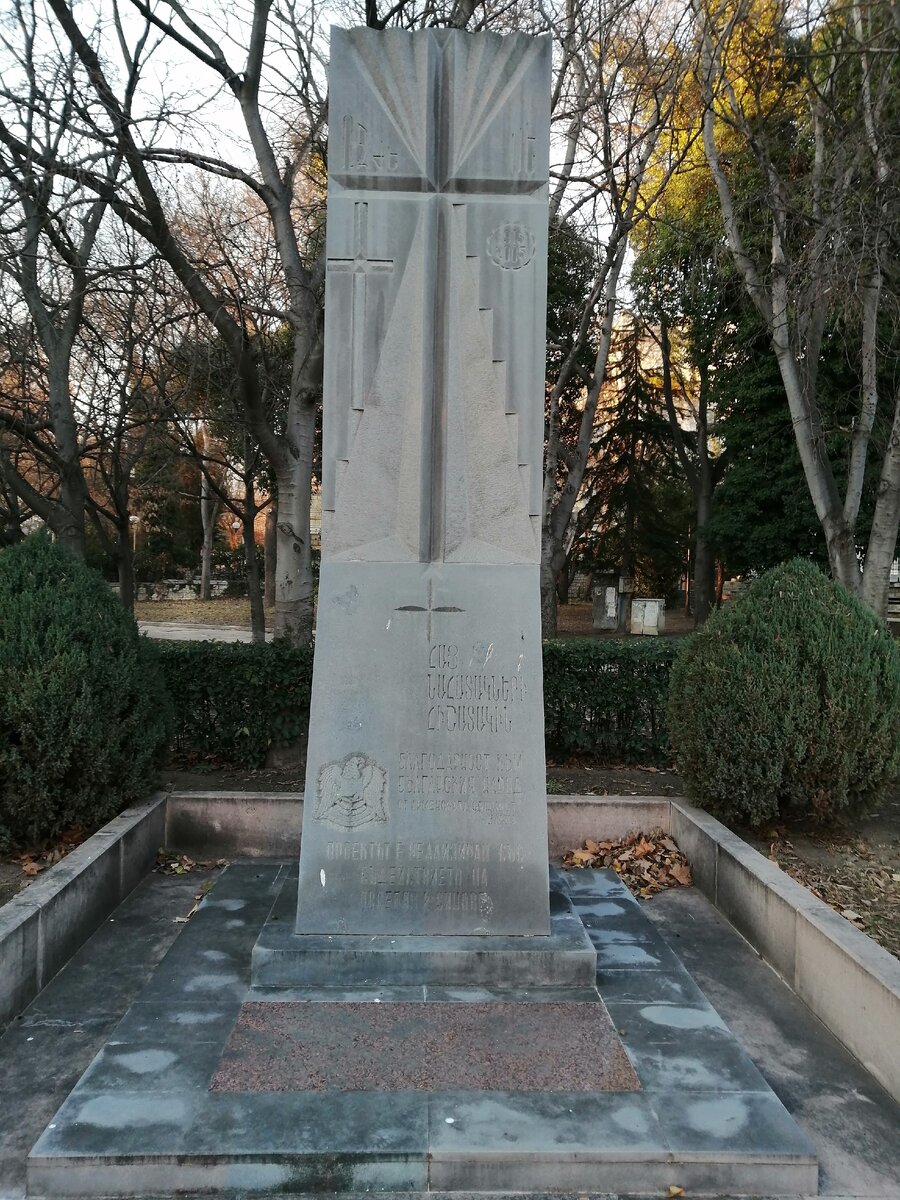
x=474, y=699
x=511, y=246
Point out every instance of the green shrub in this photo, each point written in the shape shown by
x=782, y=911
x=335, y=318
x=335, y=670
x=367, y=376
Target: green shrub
x=604, y=699
x=235, y=700
x=83, y=708
x=787, y=703
x=607, y=699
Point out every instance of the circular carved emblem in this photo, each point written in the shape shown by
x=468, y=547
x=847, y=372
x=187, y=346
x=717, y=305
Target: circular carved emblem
x=511, y=246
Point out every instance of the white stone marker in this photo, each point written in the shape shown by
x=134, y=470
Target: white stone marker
x=425, y=808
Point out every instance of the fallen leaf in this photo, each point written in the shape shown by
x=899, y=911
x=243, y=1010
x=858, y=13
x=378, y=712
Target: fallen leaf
x=682, y=873
x=31, y=868
x=674, y=1191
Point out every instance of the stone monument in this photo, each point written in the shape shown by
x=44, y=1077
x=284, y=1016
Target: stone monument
x=425, y=808
x=425, y=792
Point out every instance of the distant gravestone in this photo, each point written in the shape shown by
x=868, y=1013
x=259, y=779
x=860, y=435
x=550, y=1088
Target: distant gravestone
x=605, y=601
x=648, y=616
x=425, y=806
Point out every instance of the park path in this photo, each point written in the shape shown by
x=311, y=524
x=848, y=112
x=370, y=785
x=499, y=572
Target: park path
x=189, y=631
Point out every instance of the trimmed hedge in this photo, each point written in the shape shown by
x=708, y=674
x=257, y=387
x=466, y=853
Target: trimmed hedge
x=606, y=699
x=234, y=700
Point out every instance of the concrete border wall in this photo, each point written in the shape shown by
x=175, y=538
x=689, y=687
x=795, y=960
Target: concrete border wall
x=850, y=982
x=209, y=825
x=267, y=824
x=42, y=927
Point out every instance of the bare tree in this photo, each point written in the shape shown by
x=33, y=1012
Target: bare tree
x=280, y=155
x=615, y=104
x=815, y=106
x=49, y=227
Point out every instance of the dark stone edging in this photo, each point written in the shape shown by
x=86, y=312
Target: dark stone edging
x=42, y=927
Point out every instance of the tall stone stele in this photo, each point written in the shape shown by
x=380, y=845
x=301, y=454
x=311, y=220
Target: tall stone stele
x=425, y=806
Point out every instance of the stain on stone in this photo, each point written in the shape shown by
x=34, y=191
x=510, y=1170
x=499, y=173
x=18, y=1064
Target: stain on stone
x=722, y=1117
x=210, y=983
x=126, y=1112
x=145, y=1062
x=347, y=600
x=677, y=1016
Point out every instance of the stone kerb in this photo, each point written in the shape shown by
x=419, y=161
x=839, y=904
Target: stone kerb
x=42, y=927
x=850, y=982
x=846, y=979
x=220, y=824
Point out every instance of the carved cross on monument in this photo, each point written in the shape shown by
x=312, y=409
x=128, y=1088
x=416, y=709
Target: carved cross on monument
x=360, y=266
x=429, y=607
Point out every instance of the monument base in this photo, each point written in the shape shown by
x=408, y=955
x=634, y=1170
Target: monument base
x=206, y=1088
x=283, y=958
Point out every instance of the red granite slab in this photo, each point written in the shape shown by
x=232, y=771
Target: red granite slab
x=438, y=1046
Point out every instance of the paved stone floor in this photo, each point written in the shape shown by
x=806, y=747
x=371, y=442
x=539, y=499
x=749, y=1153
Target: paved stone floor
x=853, y=1126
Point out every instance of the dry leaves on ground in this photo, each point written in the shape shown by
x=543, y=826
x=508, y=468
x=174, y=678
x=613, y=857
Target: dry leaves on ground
x=33, y=862
x=647, y=863
x=862, y=889
x=183, y=864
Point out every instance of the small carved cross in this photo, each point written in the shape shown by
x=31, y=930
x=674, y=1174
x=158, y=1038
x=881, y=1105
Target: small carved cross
x=360, y=267
x=430, y=608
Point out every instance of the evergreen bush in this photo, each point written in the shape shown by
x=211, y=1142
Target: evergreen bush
x=84, y=715
x=787, y=703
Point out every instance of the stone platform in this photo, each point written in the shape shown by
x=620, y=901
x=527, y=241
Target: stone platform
x=285, y=959
x=444, y=1045
x=143, y=1119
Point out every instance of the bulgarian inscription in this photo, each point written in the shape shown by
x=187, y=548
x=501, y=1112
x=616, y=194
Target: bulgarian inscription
x=427, y=876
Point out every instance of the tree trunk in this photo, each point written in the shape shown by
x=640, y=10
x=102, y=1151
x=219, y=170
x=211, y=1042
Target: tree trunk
x=704, y=555
x=125, y=566
x=563, y=583
x=271, y=551
x=209, y=511
x=294, y=595
x=548, y=594
x=254, y=583
x=557, y=516
x=68, y=515
x=882, y=547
